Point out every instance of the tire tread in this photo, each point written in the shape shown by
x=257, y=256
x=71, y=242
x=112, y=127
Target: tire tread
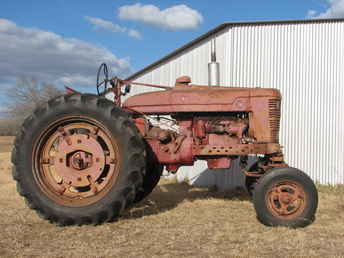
x=134, y=169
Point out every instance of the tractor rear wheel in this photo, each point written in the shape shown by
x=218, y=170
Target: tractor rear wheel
x=285, y=197
x=78, y=159
x=152, y=176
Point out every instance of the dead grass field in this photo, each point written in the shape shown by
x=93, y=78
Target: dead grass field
x=176, y=220
x=6, y=143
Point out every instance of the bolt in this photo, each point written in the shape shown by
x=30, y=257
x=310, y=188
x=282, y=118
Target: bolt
x=78, y=141
x=61, y=160
x=97, y=159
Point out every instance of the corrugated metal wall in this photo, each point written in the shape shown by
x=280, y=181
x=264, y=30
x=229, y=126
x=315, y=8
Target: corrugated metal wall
x=306, y=62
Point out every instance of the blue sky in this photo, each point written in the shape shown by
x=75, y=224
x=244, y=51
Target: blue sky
x=64, y=42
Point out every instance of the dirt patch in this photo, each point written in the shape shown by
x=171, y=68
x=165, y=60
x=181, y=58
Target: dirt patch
x=176, y=220
x=6, y=143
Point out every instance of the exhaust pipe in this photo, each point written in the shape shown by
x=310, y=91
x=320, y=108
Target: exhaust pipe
x=213, y=66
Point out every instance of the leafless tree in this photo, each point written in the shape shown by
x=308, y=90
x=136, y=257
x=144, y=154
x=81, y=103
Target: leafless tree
x=9, y=126
x=27, y=95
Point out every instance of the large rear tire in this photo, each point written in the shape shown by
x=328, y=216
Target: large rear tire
x=285, y=197
x=78, y=159
x=152, y=176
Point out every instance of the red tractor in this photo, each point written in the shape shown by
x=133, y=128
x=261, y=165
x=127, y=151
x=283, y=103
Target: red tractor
x=82, y=159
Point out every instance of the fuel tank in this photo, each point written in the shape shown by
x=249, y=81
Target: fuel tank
x=198, y=99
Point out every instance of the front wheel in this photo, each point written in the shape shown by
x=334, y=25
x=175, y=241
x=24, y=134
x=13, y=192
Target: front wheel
x=285, y=197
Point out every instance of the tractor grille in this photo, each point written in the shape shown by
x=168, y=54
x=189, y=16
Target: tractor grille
x=274, y=119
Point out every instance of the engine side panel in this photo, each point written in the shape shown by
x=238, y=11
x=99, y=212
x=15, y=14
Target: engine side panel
x=218, y=138
x=216, y=124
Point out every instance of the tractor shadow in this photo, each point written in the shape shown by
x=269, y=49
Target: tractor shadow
x=168, y=195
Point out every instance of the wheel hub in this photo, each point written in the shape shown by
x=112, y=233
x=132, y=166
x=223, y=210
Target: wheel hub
x=76, y=161
x=286, y=200
x=79, y=160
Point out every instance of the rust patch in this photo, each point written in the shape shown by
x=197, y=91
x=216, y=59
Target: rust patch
x=239, y=149
x=286, y=200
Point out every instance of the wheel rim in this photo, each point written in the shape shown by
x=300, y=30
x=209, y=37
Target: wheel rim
x=76, y=162
x=286, y=199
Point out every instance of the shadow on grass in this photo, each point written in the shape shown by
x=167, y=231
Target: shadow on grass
x=167, y=196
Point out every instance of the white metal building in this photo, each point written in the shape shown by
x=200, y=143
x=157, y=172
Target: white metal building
x=304, y=59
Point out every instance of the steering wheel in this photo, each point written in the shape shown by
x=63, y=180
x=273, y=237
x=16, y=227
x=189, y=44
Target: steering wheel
x=102, y=83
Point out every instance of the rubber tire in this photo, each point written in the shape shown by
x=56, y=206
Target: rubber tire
x=132, y=160
x=152, y=176
x=279, y=174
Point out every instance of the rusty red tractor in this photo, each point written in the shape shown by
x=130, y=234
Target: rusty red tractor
x=82, y=159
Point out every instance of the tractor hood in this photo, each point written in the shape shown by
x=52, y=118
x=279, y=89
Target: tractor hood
x=197, y=99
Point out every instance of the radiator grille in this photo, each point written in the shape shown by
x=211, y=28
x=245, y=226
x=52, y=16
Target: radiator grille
x=274, y=119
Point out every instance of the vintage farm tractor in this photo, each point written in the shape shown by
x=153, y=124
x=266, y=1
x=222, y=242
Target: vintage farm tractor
x=82, y=159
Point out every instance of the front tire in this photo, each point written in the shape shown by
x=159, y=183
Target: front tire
x=78, y=159
x=285, y=197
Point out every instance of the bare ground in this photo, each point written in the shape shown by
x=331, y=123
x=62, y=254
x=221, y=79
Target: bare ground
x=176, y=220
x=6, y=143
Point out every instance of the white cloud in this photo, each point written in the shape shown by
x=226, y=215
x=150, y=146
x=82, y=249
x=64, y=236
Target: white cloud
x=50, y=57
x=311, y=13
x=109, y=26
x=335, y=10
x=178, y=17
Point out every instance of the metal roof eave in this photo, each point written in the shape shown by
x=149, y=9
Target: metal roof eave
x=220, y=28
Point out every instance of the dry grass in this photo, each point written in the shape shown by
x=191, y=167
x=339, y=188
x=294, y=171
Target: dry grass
x=6, y=143
x=176, y=220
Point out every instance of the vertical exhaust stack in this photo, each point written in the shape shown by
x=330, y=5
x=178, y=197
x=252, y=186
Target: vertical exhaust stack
x=213, y=67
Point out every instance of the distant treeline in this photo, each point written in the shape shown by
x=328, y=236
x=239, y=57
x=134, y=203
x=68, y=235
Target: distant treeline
x=22, y=100
x=9, y=126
